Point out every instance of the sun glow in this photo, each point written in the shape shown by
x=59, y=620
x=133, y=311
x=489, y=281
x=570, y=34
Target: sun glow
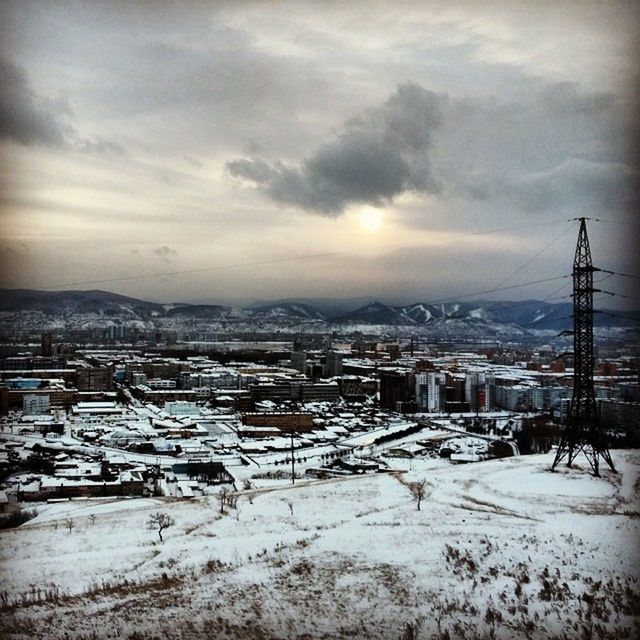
x=370, y=219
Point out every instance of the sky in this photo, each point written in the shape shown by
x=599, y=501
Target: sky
x=240, y=151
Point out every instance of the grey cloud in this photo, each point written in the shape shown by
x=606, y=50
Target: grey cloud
x=557, y=147
x=97, y=209
x=565, y=98
x=30, y=119
x=255, y=170
x=165, y=252
x=411, y=115
x=192, y=161
x=380, y=154
x=100, y=146
x=25, y=117
x=223, y=92
x=578, y=184
x=574, y=185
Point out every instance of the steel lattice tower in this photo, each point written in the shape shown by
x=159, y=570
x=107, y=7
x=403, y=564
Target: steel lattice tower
x=583, y=432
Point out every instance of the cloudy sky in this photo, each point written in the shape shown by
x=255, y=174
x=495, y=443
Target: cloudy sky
x=238, y=151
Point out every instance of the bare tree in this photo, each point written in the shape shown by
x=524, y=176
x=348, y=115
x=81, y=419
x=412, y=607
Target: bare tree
x=289, y=504
x=160, y=521
x=222, y=496
x=70, y=524
x=418, y=490
x=93, y=517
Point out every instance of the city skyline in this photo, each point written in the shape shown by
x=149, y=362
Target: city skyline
x=250, y=151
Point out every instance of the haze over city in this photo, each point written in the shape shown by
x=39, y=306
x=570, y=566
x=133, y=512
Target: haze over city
x=271, y=150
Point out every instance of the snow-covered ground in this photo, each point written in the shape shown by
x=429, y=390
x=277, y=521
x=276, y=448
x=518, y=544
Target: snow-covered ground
x=500, y=549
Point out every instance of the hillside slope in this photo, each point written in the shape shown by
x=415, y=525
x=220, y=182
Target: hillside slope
x=499, y=549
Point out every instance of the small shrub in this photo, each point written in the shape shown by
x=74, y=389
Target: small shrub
x=213, y=565
x=17, y=518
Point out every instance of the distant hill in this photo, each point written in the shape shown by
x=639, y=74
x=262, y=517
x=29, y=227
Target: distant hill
x=476, y=317
x=328, y=307
x=375, y=313
x=287, y=310
x=526, y=315
x=60, y=303
x=200, y=311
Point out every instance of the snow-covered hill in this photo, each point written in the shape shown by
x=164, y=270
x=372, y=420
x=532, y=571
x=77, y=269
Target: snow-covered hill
x=286, y=311
x=492, y=315
x=52, y=310
x=500, y=549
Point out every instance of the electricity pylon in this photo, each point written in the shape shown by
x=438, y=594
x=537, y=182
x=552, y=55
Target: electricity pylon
x=583, y=432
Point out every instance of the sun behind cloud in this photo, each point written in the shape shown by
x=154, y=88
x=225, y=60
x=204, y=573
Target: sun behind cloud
x=370, y=219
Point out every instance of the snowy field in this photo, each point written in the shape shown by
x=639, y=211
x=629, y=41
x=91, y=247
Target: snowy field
x=499, y=549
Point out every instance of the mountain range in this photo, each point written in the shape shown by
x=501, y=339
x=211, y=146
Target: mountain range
x=489, y=315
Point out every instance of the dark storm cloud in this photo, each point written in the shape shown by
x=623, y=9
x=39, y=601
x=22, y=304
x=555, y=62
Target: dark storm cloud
x=25, y=117
x=380, y=154
x=556, y=147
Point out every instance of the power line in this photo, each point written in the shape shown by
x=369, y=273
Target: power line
x=564, y=285
x=552, y=294
x=618, y=273
x=474, y=234
x=189, y=271
x=557, y=310
x=499, y=287
x=495, y=289
x=530, y=260
x=623, y=317
x=516, y=227
x=547, y=298
x=618, y=295
x=273, y=261
x=536, y=255
x=623, y=222
x=611, y=274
